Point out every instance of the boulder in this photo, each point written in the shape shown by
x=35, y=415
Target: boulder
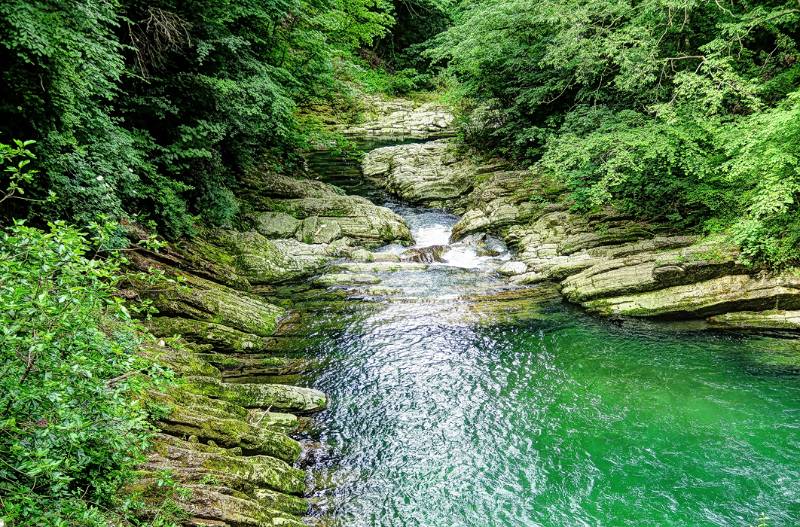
x=426, y=255
x=512, y=268
x=276, y=224
x=420, y=173
x=316, y=212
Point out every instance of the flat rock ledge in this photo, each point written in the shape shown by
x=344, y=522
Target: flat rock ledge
x=400, y=119
x=608, y=263
x=227, y=442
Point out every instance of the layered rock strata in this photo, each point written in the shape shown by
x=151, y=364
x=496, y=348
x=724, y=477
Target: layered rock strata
x=608, y=263
x=400, y=119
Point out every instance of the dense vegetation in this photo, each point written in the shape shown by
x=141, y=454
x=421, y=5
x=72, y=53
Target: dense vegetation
x=686, y=112
x=154, y=108
x=71, y=429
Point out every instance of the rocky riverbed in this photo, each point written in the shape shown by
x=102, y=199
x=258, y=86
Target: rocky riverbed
x=607, y=263
x=231, y=302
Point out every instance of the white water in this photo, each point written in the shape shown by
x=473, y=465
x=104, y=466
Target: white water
x=431, y=228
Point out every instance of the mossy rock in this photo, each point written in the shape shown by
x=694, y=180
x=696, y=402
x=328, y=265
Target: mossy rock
x=345, y=279
x=229, y=432
x=247, y=365
x=243, y=473
x=178, y=357
x=200, y=299
x=711, y=297
x=221, y=337
x=293, y=399
x=773, y=319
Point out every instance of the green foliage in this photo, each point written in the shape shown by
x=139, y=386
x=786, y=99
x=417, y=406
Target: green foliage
x=71, y=431
x=378, y=80
x=156, y=108
x=684, y=113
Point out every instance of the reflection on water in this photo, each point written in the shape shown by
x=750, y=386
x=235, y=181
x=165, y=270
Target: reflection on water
x=441, y=418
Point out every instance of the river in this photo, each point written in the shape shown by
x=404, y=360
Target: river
x=446, y=412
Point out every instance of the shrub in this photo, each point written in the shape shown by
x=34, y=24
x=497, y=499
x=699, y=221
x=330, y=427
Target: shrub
x=71, y=430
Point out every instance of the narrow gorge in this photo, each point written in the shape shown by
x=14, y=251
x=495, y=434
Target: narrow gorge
x=412, y=352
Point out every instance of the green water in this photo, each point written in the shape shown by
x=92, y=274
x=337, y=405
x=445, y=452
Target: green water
x=443, y=414
x=567, y=421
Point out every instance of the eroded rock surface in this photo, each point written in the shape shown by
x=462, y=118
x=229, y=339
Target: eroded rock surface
x=399, y=119
x=609, y=263
x=422, y=173
x=226, y=442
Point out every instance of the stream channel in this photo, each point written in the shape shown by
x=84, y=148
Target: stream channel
x=447, y=410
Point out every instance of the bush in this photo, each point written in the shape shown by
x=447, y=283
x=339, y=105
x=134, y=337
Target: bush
x=71, y=430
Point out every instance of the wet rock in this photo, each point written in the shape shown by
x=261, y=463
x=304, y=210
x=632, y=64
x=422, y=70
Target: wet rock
x=427, y=255
x=772, y=319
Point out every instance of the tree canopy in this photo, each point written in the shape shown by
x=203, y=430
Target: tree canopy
x=682, y=111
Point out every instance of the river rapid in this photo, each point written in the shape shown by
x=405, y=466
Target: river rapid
x=447, y=411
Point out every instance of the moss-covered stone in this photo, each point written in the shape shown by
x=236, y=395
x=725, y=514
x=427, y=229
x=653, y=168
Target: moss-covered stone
x=648, y=271
x=235, y=365
x=294, y=399
x=293, y=505
x=276, y=224
x=243, y=473
x=178, y=357
x=200, y=299
x=379, y=267
x=221, y=337
x=266, y=261
x=230, y=432
x=282, y=422
x=423, y=173
x=344, y=279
